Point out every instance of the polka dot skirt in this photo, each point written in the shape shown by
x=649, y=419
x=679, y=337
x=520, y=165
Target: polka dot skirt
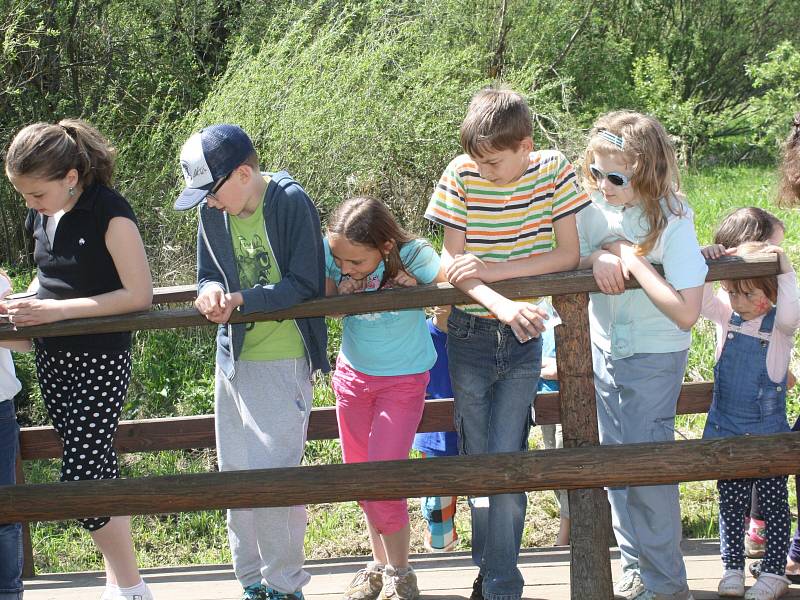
x=84, y=393
x=734, y=504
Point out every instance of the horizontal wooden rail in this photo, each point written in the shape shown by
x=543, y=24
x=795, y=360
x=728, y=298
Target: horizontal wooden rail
x=179, y=433
x=568, y=468
x=554, y=284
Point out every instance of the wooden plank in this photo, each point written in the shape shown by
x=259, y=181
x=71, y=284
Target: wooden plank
x=567, y=468
x=569, y=282
x=174, y=293
x=590, y=518
x=180, y=433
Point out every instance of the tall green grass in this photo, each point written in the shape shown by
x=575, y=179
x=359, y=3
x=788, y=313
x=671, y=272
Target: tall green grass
x=173, y=375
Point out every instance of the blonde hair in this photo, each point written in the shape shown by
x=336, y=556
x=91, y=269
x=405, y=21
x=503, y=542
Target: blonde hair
x=49, y=151
x=647, y=148
x=498, y=118
x=768, y=285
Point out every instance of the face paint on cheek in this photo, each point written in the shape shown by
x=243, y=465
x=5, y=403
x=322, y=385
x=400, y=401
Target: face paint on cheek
x=763, y=304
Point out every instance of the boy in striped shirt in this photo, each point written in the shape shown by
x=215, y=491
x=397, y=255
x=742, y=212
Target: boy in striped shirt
x=502, y=206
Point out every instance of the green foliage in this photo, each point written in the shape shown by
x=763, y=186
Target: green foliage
x=356, y=100
x=776, y=78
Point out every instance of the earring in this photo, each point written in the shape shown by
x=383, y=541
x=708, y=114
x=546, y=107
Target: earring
x=71, y=191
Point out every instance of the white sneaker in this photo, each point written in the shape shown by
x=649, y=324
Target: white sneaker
x=146, y=595
x=732, y=584
x=768, y=586
x=630, y=586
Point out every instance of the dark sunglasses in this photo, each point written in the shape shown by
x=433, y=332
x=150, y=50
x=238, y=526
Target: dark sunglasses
x=213, y=191
x=613, y=177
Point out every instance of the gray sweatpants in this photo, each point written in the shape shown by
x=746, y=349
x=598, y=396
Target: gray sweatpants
x=636, y=401
x=261, y=422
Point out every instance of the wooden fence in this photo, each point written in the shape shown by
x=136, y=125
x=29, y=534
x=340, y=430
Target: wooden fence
x=582, y=467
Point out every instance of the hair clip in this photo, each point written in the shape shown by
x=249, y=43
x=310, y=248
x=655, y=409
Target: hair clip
x=610, y=137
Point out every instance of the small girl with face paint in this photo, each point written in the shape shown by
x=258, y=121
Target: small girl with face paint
x=640, y=337
x=381, y=373
x=755, y=321
x=90, y=263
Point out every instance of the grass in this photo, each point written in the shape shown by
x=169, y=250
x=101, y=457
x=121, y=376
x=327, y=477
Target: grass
x=174, y=376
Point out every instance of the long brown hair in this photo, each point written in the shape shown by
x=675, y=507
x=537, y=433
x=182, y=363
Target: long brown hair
x=49, y=151
x=369, y=222
x=789, y=190
x=648, y=150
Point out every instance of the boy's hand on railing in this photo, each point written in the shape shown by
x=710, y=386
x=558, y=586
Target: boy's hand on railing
x=468, y=266
x=215, y=305
x=525, y=319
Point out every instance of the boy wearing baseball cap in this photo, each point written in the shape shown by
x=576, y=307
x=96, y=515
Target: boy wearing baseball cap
x=259, y=249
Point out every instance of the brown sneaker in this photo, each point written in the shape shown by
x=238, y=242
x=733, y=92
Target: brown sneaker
x=399, y=585
x=366, y=585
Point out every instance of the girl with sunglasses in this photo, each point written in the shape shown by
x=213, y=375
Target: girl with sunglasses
x=640, y=337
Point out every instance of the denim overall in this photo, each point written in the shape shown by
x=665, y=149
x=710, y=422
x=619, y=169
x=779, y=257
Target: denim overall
x=746, y=401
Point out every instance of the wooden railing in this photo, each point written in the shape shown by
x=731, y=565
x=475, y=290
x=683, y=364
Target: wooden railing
x=582, y=466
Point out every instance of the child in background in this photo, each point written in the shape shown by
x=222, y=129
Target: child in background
x=381, y=374
x=11, y=557
x=502, y=205
x=755, y=323
x=259, y=248
x=640, y=338
x=91, y=263
x=551, y=434
x=749, y=224
x=439, y=511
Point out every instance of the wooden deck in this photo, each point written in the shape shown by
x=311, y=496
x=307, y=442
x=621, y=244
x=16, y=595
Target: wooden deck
x=546, y=572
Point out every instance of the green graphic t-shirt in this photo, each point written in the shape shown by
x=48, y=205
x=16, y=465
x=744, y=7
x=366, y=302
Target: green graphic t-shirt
x=265, y=340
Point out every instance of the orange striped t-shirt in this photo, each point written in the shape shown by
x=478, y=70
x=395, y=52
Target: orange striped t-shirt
x=506, y=222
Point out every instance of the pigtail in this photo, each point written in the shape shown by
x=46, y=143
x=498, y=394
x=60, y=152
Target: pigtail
x=95, y=155
x=789, y=190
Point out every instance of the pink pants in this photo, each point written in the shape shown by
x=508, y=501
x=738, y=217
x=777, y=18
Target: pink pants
x=378, y=417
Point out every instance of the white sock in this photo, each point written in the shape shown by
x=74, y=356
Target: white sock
x=374, y=565
x=112, y=587
x=139, y=588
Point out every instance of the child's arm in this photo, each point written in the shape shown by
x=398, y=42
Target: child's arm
x=17, y=345
x=681, y=306
x=524, y=318
x=607, y=270
x=127, y=251
x=563, y=257
x=787, y=311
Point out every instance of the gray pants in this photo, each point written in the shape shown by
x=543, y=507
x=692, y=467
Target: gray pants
x=636, y=401
x=261, y=422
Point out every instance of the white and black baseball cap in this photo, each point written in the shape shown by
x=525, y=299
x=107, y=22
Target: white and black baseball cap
x=209, y=156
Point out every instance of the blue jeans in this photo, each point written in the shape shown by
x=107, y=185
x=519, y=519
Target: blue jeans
x=494, y=381
x=10, y=535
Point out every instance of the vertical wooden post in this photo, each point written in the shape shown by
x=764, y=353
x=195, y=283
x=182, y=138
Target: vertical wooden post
x=590, y=522
x=28, y=568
